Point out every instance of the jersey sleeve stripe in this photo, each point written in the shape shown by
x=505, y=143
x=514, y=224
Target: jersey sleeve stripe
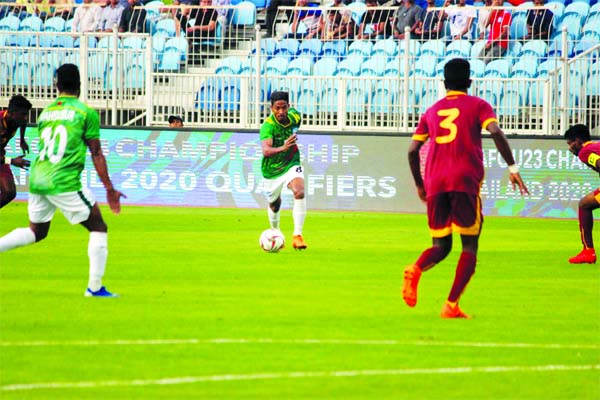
x=420, y=137
x=488, y=121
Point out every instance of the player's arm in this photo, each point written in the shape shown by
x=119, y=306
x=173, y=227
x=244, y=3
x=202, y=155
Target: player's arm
x=112, y=195
x=506, y=153
x=22, y=141
x=414, y=161
x=268, y=149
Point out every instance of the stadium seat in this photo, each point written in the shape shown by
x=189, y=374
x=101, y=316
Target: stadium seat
x=108, y=42
x=588, y=40
x=594, y=83
x=476, y=48
x=477, y=68
x=414, y=48
x=538, y=48
x=165, y=27
x=394, y=68
x=307, y=101
x=386, y=47
x=170, y=59
x=135, y=77
x=579, y=7
x=276, y=66
x=556, y=47
x=10, y=23
x=382, y=100
x=511, y=102
x=349, y=67
x=356, y=100
x=244, y=14
x=268, y=46
x=501, y=66
x=329, y=100
x=311, y=48
x=572, y=23
x=358, y=10
x=335, y=48
x=6, y=69
x=230, y=65
x=133, y=43
x=300, y=66
x=67, y=41
x=288, y=48
x=374, y=66
x=518, y=27
x=362, y=48
x=459, y=48
x=527, y=66
x=426, y=65
x=436, y=47
x=177, y=44
x=326, y=66
x=33, y=24
x=230, y=98
x=54, y=24
x=43, y=75
x=22, y=74
x=207, y=98
x=592, y=24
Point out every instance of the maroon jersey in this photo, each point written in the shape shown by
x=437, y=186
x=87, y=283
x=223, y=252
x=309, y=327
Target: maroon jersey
x=5, y=134
x=590, y=155
x=455, y=158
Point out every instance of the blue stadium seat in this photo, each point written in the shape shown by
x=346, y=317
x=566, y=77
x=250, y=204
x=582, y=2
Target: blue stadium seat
x=268, y=47
x=526, y=66
x=349, y=67
x=382, y=101
x=588, y=40
x=10, y=23
x=477, y=68
x=97, y=63
x=326, y=66
x=230, y=65
x=54, y=24
x=23, y=71
x=374, y=66
x=592, y=24
x=133, y=42
x=436, y=47
x=572, y=23
x=312, y=48
x=288, y=48
x=360, y=47
x=230, y=98
x=308, y=100
x=335, y=48
x=581, y=8
x=556, y=47
x=538, y=48
x=67, y=41
x=6, y=71
x=459, y=48
x=594, y=83
x=108, y=42
x=135, y=77
x=300, y=66
x=244, y=14
x=501, y=66
x=358, y=10
x=414, y=48
x=43, y=75
x=476, y=48
x=32, y=23
x=177, y=44
x=170, y=59
x=329, y=100
x=386, y=47
x=276, y=66
x=207, y=98
x=69, y=25
x=511, y=102
x=518, y=27
x=165, y=27
x=356, y=100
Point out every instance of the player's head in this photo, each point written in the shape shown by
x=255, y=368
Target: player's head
x=18, y=111
x=280, y=104
x=175, y=122
x=457, y=75
x=576, y=136
x=68, y=80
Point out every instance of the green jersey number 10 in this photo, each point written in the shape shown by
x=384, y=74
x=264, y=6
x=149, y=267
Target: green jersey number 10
x=51, y=151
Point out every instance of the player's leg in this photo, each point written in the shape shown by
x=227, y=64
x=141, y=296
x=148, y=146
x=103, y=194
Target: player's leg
x=438, y=219
x=273, y=213
x=587, y=205
x=298, y=210
x=40, y=212
x=467, y=219
x=273, y=189
x=8, y=190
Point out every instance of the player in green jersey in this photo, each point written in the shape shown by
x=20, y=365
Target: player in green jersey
x=67, y=129
x=281, y=163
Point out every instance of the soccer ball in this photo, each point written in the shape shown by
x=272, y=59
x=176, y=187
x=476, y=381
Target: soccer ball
x=271, y=240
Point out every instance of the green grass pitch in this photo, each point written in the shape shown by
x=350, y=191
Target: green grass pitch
x=205, y=314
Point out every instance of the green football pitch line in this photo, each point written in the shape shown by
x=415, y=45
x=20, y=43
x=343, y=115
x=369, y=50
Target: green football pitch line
x=205, y=313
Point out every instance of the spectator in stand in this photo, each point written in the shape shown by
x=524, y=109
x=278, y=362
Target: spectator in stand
x=133, y=18
x=272, y=11
x=461, y=19
x=175, y=122
x=205, y=24
x=330, y=22
x=375, y=22
x=539, y=21
x=305, y=23
x=407, y=15
x=43, y=8
x=111, y=16
x=87, y=17
x=63, y=9
x=222, y=10
x=497, y=43
x=431, y=25
x=179, y=13
x=483, y=14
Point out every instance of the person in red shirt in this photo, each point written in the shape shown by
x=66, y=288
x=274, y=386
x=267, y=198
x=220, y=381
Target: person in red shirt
x=580, y=143
x=15, y=117
x=453, y=177
x=499, y=24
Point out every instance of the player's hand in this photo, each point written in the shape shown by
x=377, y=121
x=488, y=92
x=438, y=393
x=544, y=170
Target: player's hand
x=21, y=162
x=114, y=200
x=24, y=147
x=516, y=180
x=422, y=194
x=291, y=141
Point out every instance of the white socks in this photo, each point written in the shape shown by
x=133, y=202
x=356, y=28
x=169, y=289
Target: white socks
x=17, y=238
x=273, y=218
x=299, y=214
x=97, y=252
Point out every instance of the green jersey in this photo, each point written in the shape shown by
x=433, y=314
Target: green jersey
x=279, y=164
x=64, y=128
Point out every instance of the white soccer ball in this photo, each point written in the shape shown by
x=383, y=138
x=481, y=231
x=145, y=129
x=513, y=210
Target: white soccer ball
x=271, y=240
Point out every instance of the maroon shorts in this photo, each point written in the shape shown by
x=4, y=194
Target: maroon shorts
x=454, y=212
x=5, y=172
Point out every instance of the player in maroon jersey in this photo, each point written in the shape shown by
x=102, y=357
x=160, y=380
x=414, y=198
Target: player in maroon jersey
x=453, y=177
x=14, y=118
x=580, y=143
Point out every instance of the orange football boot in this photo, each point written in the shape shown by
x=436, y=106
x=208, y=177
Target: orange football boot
x=412, y=274
x=298, y=243
x=453, y=312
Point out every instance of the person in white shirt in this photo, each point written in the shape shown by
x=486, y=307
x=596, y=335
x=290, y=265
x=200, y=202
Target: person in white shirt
x=87, y=17
x=461, y=18
x=111, y=16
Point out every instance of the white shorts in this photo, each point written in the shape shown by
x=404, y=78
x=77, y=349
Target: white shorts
x=75, y=206
x=273, y=187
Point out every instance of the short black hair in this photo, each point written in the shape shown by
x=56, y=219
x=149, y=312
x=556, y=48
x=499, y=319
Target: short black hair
x=279, y=95
x=19, y=103
x=174, y=118
x=578, y=131
x=68, y=79
x=457, y=74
